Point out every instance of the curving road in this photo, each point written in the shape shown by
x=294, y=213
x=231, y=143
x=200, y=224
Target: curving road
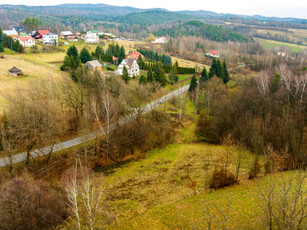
x=90, y=136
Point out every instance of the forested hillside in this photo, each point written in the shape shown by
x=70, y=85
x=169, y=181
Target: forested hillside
x=153, y=17
x=200, y=29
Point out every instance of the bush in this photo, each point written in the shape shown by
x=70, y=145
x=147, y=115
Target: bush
x=221, y=177
x=255, y=169
x=28, y=204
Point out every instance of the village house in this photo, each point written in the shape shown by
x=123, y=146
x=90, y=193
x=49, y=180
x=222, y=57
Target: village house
x=94, y=65
x=15, y=72
x=93, y=32
x=72, y=38
x=160, y=40
x=91, y=38
x=212, y=53
x=20, y=30
x=10, y=33
x=51, y=39
x=40, y=33
x=65, y=34
x=26, y=41
x=135, y=55
x=131, y=65
x=114, y=60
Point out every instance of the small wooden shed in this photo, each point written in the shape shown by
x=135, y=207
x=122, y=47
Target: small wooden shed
x=94, y=65
x=15, y=72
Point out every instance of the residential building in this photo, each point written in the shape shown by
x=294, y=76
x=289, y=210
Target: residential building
x=65, y=34
x=10, y=33
x=160, y=40
x=72, y=38
x=131, y=65
x=135, y=55
x=19, y=29
x=39, y=34
x=26, y=41
x=91, y=38
x=94, y=65
x=92, y=32
x=51, y=39
x=212, y=53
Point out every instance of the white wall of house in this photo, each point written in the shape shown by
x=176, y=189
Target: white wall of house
x=28, y=43
x=133, y=71
x=50, y=39
x=91, y=38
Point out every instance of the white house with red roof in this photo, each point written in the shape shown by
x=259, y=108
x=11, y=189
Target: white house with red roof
x=135, y=55
x=26, y=41
x=160, y=40
x=40, y=33
x=212, y=53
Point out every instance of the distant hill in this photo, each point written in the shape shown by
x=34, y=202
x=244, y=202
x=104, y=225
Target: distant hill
x=153, y=17
x=200, y=29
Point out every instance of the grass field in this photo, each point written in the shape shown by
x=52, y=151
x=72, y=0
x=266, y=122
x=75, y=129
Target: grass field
x=269, y=44
x=33, y=70
x=154, y=193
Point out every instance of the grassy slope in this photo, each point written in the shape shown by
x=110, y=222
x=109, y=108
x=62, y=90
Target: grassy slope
x=268, y=44
x=154, y=193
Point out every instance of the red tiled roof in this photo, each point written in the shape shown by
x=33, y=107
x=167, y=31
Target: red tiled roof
x=114, y=58
x=135, y=55
x=213, y=52
x=25, y=38
x=43, y=32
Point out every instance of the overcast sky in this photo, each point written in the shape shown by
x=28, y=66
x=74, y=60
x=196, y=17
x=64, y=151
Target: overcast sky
x=278, y=8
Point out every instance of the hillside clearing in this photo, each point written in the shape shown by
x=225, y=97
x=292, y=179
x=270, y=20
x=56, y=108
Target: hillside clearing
x=269, y=44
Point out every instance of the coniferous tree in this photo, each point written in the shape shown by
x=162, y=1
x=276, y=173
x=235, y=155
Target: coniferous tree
x=1, y=47
x=1, y=35
x=218, y=68
x=143, y=80
x=157, y=72
x=193, y=84
x=122, y=54
x=204, y=75
x=11, y=43
x=99, y=53
x=72, y=59
x=85, y=55
x=225, y=73
x=125, y=75
x=173, y=78
x=149, y=75
x=163, y=79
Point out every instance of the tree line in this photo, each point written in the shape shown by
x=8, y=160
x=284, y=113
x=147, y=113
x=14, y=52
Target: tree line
x=8, y=42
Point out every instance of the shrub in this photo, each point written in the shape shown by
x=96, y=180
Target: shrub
x=221, y=177
x=255, y=169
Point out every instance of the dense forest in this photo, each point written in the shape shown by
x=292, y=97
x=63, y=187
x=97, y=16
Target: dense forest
x=200, y=29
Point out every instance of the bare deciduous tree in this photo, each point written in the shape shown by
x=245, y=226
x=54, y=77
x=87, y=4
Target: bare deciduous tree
x=85, y=197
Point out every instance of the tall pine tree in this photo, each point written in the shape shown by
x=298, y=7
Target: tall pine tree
x=125, y=75
x=204, y=75
x=85, y=55
x=193, y=84
x=225, y=73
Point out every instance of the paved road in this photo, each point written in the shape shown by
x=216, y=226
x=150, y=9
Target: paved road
x=90, y=136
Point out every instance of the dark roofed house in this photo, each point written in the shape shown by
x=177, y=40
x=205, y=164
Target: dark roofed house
x=19, y=29
x=39, y=34
x=131, y=66
x=15, y=72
